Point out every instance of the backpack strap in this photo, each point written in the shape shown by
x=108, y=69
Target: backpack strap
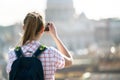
x=40, y=49
x=18, y=52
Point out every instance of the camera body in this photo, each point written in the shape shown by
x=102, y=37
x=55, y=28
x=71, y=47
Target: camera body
x=46, y=27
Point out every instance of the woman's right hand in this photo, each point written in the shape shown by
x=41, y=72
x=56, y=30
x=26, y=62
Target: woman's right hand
x=52, y=30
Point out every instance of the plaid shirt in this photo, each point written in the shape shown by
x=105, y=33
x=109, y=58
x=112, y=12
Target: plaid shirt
x=51, y=59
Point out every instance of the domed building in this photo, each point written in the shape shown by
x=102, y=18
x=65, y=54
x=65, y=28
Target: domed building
x=71, y=28
x=59, y=10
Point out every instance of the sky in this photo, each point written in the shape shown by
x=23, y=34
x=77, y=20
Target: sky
x=12, y=11
x=97, y=9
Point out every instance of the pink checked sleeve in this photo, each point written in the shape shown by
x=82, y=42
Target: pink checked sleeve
x=11, y=58
x=58, y=59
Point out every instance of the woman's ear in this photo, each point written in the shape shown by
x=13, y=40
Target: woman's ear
x=42, y=30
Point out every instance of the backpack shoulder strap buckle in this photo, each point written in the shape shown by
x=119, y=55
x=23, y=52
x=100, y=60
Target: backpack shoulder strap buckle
x=40, y=49
x=18, y=52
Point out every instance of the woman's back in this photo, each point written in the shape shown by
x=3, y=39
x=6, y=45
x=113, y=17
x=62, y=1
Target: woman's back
x=51, y=58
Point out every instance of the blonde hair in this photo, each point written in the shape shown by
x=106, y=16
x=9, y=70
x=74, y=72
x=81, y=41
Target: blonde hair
x=33, y=23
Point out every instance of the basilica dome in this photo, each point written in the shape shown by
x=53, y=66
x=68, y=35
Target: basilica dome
x=59, y=10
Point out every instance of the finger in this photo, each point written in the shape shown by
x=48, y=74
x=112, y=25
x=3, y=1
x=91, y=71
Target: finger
x=50, y=27
x=52, y=24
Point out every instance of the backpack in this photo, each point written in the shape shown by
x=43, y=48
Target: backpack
x=27, y=68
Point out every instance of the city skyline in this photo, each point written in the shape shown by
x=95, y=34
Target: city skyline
x=13, y=11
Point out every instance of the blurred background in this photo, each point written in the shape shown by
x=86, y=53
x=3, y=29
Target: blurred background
x=89, y=28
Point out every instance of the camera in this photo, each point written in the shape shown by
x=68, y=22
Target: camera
x=46, y=27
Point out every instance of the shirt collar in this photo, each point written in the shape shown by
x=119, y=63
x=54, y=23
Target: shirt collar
x=33, y=42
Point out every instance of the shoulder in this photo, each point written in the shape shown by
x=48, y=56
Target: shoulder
x=11, y=53
x=54, y=52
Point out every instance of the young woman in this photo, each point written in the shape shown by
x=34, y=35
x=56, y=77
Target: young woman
x=52, y=59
